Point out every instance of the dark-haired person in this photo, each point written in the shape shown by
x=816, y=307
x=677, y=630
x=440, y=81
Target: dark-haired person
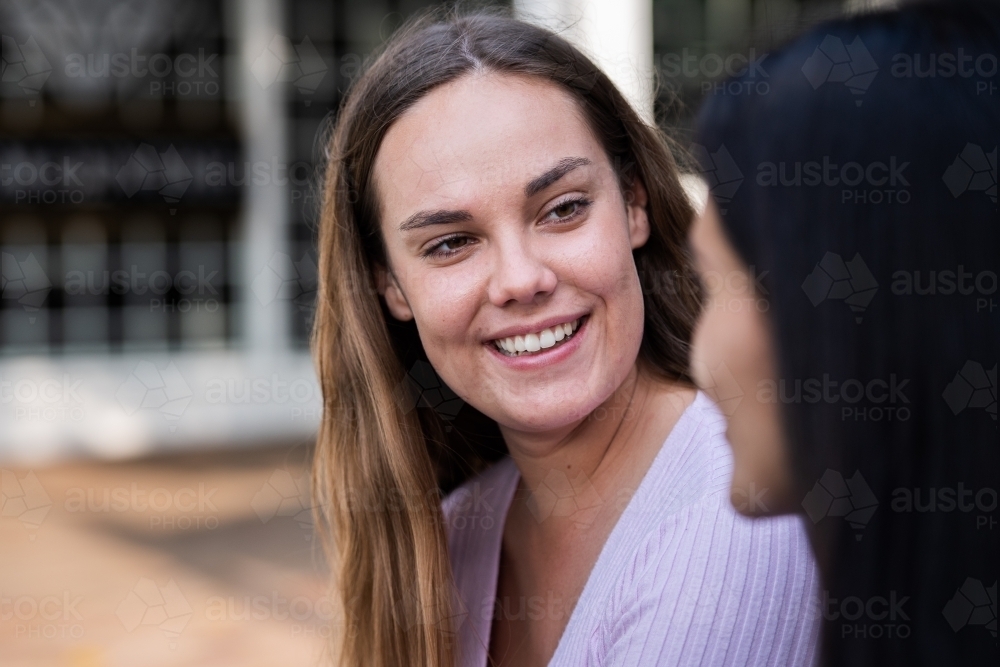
x=492, y=208
x=867, y=219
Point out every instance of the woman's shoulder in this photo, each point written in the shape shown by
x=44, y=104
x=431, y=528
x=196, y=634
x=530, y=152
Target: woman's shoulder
x=741, y=591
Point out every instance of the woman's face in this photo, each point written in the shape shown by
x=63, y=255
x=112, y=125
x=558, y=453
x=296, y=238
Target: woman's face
x=509, y=242
x=731, y=356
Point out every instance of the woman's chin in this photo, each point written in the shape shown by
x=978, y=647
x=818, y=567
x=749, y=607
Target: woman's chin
x=539, y=417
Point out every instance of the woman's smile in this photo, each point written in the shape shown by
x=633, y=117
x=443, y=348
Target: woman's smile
x=538, y=347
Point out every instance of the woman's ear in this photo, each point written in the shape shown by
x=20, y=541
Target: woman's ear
x=636, y=200
x=395, y=300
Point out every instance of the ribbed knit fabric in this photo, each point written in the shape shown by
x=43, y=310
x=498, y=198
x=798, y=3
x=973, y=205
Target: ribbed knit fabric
x=682, y=579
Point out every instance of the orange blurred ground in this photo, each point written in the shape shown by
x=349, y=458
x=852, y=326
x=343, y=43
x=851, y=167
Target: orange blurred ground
x=193, y=560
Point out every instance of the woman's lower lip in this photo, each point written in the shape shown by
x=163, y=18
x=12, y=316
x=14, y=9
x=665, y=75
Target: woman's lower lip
x=548, y=356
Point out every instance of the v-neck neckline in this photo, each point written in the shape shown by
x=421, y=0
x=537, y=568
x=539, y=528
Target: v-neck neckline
x=636, y=504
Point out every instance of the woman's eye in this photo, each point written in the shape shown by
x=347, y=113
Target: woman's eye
x=448, y=246
x=565, y=210
x=568, y=209
x=455, y=243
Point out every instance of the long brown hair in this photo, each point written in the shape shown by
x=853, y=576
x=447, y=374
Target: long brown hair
x=379, y=467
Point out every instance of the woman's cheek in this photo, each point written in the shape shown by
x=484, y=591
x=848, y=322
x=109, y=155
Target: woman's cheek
x=447, y=298
x=595, y=270
x=443, y=284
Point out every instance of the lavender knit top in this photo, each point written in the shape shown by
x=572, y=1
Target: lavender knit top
x=683, y=579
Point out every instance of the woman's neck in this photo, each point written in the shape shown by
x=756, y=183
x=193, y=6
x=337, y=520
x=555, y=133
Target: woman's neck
x=604, y=453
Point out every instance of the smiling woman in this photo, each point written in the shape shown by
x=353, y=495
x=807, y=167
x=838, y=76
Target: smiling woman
x=492, y=196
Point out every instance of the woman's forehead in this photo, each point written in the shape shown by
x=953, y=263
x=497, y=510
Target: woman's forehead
x=485, y=131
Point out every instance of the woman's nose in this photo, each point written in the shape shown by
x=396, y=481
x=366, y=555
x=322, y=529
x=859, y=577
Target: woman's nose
x=521, y=275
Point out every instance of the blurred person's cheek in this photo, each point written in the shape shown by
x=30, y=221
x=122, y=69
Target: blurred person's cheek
x=732, y=358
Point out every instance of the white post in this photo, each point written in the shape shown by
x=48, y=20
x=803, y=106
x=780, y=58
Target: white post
x=862, y=6
x=262, y=110
x=617, y=34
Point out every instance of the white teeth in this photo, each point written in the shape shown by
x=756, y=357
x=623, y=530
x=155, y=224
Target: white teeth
x=546, y=338
x=533, y=342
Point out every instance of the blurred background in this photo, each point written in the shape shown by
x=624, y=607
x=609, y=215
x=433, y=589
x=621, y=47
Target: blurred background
x=158, y=173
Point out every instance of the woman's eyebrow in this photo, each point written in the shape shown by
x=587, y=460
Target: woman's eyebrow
x=564, y=166
x=426, y=218
x=536, y=185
